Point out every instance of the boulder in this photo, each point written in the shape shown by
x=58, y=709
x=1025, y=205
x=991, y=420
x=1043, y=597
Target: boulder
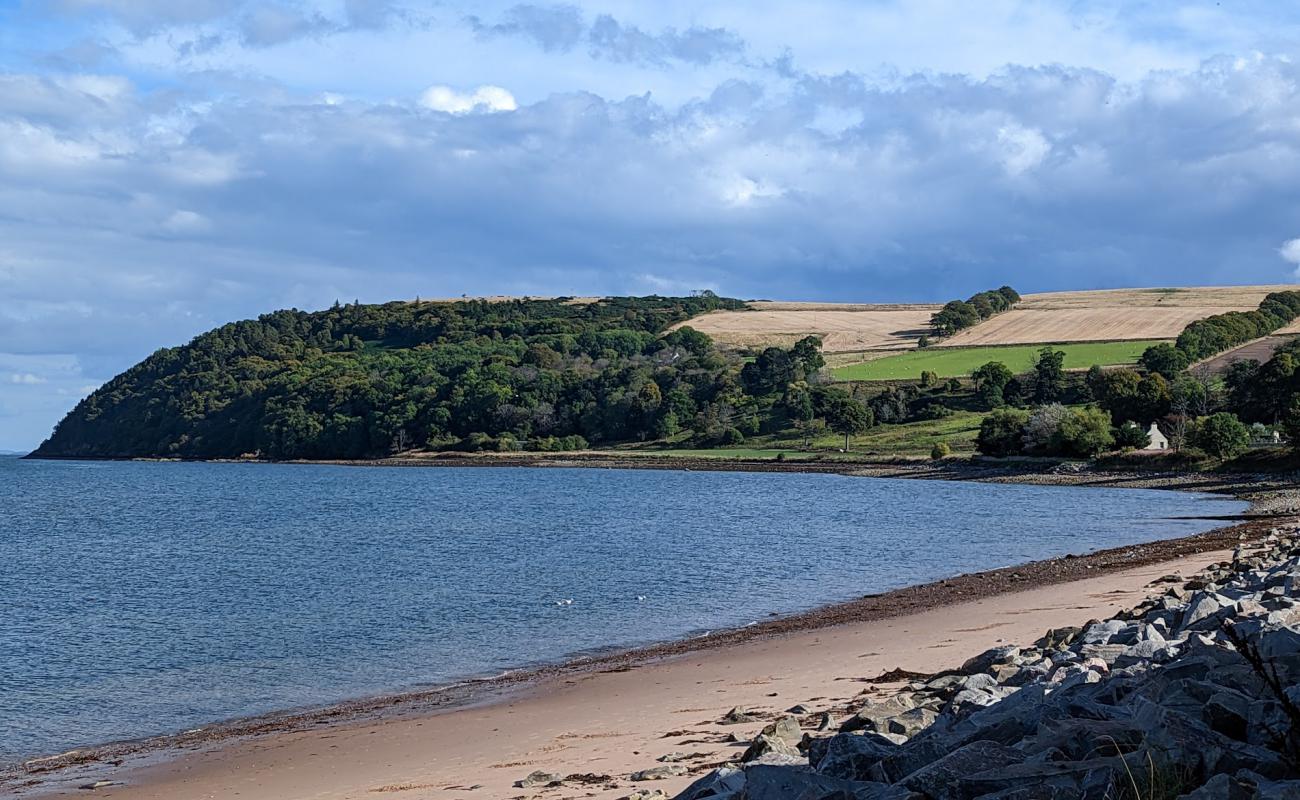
x=778, y=783
x=724, y=783
x=538, y=778
x=911, y=722
x=764, y=745
x=737, y=716
x=940, y=779
x=986, y=660
x=872, y=717
x=785, y=728
x=660, y=773
x=851, y=756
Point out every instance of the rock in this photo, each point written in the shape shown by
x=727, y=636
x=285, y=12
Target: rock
x=538, y=778
x=851, y=756
x=785, y=728
x=659, y=773
x=911, y=722
x=940, y=779
x=724, y=783
x=986, y=660
x=1058, y=637
x=92, y=786
x=764, y=744
x=968, y=699
x=737, y=716
x=873, y=716
x=799, y=709
x=1201, y=606
x=645, y=794
x=777, y=783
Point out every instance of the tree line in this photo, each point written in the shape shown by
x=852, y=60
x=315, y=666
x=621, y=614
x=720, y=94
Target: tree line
x=957, y=315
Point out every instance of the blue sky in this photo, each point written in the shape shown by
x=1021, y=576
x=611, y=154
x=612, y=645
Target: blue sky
x=167, y=166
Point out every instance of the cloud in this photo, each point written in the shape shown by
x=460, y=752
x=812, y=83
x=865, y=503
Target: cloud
x=557, y=28
x=265, y=25
x=561, y=28
x=1290, y=251
x=484, y=98
x=294, y=156
x=26, y=379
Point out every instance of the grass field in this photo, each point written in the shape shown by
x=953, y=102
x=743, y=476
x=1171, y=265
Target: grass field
x=959, y=362
x=911, y=439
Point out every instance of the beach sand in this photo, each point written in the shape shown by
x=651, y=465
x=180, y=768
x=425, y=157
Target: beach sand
x=617, y=721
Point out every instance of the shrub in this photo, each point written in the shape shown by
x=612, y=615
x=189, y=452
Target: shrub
x=1221, y=435
x=940, y=450
x=1085, y=432
x=731, y=436
x=1130, y=436
x=1001, y=432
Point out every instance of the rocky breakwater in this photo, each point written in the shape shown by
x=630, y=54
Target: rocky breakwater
x=1195, y=693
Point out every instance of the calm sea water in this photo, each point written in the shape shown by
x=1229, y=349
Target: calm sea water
x=142, y=598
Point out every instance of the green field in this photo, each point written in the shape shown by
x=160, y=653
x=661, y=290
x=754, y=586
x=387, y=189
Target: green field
x=911, y=439
x=956, y=362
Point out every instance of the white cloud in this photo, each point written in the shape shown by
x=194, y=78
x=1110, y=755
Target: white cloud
x=1290, y=251
x=1022, y=148
x=484, y=98
x=26, y=379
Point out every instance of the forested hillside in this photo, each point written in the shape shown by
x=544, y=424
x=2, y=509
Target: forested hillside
x=368, y=380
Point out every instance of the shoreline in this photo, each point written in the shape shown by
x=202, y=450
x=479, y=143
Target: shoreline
x=596, y=727
x=1265, y=512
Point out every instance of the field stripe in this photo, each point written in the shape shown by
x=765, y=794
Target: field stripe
x=960, y=362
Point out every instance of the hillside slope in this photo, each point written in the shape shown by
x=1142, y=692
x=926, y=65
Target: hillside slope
x=1083, y=316
x=357, y=381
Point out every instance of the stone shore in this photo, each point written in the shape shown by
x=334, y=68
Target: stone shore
x=1193, y=694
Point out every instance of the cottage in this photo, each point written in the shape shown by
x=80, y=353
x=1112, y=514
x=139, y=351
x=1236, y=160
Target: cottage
x=1158, y=440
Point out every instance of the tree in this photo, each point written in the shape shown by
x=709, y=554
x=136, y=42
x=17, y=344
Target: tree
x=1130, y=436
x=798, y=404
x=844, y=415
x=1042, y=431
x=929, y=378
x=1221, y=435
x=1290, y=423
x=990, y=383
x=807, y=356
x=1164, y=359
x=1002, y=432
x=1085, y=432
x=1049, y=375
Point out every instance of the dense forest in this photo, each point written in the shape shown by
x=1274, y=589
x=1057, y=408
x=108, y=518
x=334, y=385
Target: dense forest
x=368, y=380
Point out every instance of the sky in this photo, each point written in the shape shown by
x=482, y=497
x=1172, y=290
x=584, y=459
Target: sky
x=167, y=166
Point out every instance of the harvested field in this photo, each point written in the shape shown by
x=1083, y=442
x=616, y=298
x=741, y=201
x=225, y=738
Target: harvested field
x=841, y=327
x=1053, y=317
x=1077, y=324
x=1260, y=350
x=1226, y=298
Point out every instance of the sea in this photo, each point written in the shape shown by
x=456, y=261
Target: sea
x=148, y=598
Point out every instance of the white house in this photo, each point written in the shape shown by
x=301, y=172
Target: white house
x=1158, y=440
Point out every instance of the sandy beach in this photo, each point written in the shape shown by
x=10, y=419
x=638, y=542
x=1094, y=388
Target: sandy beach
x=604, y=725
